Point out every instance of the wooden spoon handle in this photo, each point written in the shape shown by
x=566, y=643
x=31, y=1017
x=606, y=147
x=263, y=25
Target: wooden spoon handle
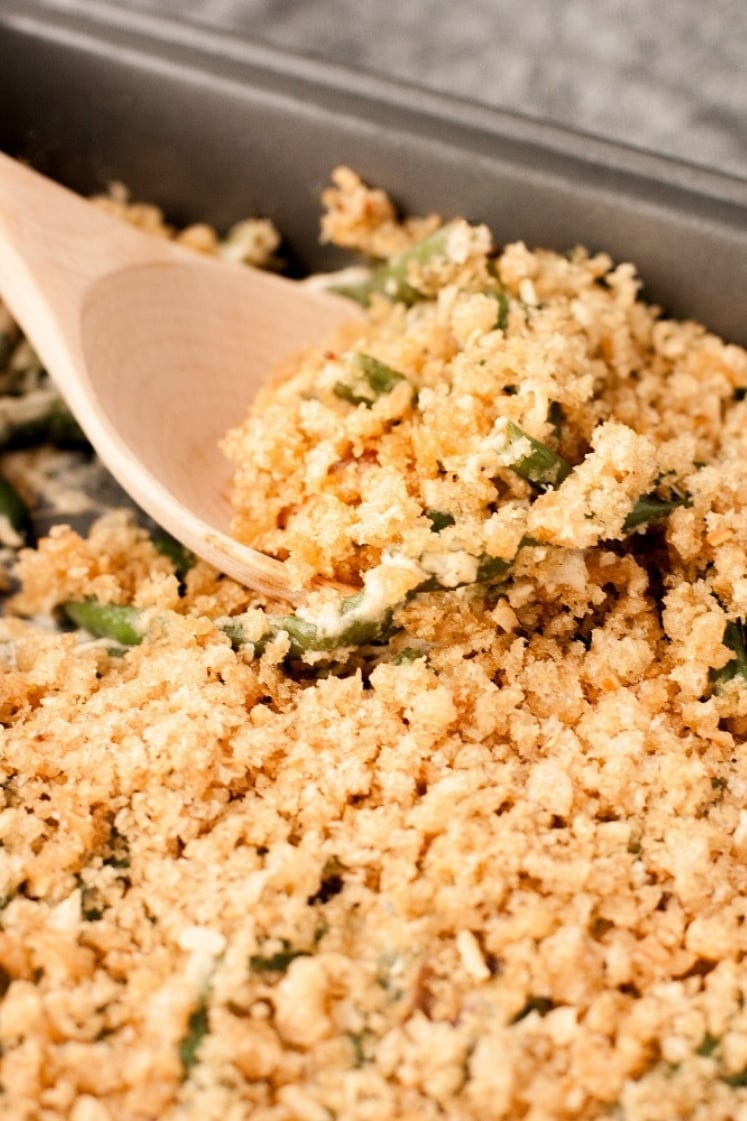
x=53, y=246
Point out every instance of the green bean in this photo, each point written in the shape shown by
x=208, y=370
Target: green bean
x=408, y=655
x=124, y=624
x=276, y=962
x=500, y=295
x=305, y=636
x=556, y=416
x=504, y=306
x=539, y=1004
x=708, y=1045
x=180, y=556
x=490, y=570
x=118, y=622
x=197, y=1028
x=735, y=639
x=735, y=1080
x=542, y=467
x=237, y=635
x=376, y=380
x=358, y=623
x=14, y=510
x=439, y=520
x=651, y=508
x=538, y=465
x=493, y=569
x=394, y=279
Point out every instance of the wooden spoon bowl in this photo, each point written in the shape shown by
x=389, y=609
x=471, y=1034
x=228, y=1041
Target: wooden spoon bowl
x=157, y=351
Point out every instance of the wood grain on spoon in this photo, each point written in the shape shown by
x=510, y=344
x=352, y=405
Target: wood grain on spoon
x=157, y=352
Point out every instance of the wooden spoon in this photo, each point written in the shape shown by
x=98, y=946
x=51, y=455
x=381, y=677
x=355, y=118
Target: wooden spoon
x=156, y=350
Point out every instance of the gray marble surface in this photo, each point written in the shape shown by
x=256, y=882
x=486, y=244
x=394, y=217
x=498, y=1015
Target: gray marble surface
x=669, y=76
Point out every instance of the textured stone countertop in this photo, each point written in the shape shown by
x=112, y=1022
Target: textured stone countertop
x=668, y=77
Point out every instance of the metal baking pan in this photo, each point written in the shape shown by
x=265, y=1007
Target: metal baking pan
x=215, y=127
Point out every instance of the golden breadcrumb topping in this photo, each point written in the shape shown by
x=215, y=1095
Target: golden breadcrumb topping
x=468, y=844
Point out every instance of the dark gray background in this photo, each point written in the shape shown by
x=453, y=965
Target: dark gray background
x=665, y=75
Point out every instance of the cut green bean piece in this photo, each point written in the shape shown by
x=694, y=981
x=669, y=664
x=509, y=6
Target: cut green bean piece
x=124, y=624
x=492, y=569
x=197, y=1029
x=708, y=1045
x=535, y=462
x=356, y=626
x=408, y=655
x=180, y=556
x=380, y=377
x=376, y=379
x=347, y=393
x=735, y=1080
x=651, y=508
x=14, y=510
x=735, y=638
x=238, y=638
x=500, y=295
x=116, y=621
x=393, y=279
x=543, y=467
x=501, y=320
x=539, y=1004
x=556, y=416
x=439, y=520
x=276, y=962
x=305, y=637
x=360, y=630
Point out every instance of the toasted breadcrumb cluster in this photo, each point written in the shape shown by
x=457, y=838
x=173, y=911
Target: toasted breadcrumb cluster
x=252, y=241
x=489, y=858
